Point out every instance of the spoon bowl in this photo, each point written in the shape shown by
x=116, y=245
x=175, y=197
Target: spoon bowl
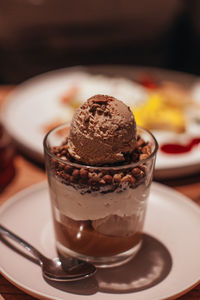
x=52, y=269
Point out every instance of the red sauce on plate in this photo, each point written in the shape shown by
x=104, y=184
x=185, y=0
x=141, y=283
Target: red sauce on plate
x=147, y=82
x=178, y=148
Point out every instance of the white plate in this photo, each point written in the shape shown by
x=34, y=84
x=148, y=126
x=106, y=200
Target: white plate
x=36, y=103
x=167, y=265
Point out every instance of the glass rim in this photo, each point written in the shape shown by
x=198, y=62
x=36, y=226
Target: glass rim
x=82, y=165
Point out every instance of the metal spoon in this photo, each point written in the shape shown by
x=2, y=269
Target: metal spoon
x=75, y=269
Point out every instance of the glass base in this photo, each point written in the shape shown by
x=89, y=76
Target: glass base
x=100, y=262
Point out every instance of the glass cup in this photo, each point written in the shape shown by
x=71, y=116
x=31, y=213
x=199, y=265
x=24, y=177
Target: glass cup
x=98, y=212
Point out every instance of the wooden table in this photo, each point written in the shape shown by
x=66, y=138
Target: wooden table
x=28, y=173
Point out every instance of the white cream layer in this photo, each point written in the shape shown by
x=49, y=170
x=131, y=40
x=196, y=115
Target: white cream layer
x=95, y=205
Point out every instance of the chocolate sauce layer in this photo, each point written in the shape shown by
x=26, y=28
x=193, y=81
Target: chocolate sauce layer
x=80, y=236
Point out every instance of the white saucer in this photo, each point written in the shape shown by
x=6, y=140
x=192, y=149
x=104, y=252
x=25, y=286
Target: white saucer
x=172, y=224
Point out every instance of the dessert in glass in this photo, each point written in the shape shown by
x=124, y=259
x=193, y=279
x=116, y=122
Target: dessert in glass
x=100, y=170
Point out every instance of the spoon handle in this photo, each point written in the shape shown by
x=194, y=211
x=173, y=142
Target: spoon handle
x=5, y=232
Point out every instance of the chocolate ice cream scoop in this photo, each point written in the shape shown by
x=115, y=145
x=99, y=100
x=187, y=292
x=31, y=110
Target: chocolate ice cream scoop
x=103, y=131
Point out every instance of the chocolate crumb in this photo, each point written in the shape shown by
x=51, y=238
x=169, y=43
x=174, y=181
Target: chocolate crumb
x=92, y=179
x=107, y=178
x=83, y=173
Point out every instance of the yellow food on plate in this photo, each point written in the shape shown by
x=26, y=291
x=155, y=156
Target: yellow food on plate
x=156, y=113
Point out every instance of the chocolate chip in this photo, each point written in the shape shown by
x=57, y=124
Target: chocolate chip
x=128, y=178
x=137, y=172
x=68, y=169
x=107, y=178
x=76, y=173
x=117, y=177
x=93, y=179
x=143, y=168
x=83, y=173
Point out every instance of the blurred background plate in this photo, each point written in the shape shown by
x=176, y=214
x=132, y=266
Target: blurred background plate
x=44, y=101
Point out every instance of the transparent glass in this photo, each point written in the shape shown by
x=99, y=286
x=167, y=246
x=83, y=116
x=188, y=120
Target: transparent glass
x=98, y=212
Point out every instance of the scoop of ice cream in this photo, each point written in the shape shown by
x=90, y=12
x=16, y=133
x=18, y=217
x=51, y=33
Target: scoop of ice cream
x=103, y=131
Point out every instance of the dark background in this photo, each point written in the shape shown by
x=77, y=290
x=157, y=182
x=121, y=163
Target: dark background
x=41, y=35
